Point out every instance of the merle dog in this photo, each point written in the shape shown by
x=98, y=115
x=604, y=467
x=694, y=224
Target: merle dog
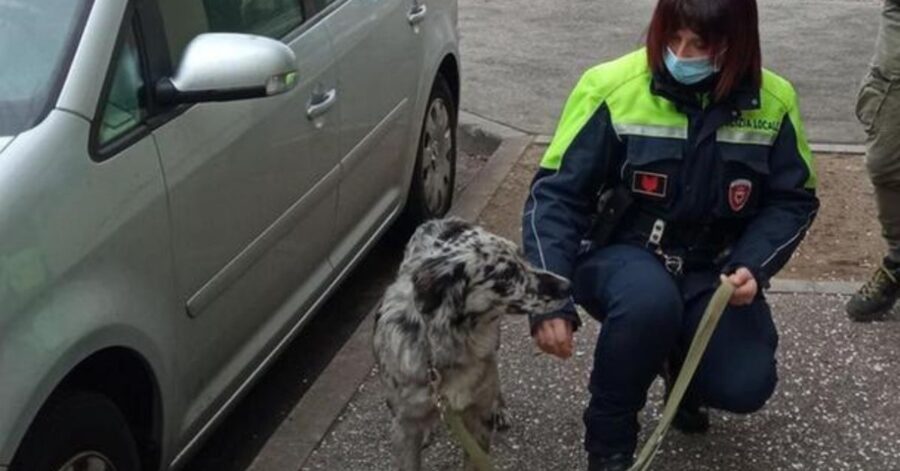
x=438, y=327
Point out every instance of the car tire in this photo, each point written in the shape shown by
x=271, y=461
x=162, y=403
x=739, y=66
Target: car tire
x=78, y=430
x=434, y=175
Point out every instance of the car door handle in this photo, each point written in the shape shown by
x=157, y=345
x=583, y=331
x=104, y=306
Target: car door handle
x=321, y=103
x=417, y=14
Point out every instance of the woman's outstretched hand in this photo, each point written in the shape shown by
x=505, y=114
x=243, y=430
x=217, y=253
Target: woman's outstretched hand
x=745, y=287
x=554, y=336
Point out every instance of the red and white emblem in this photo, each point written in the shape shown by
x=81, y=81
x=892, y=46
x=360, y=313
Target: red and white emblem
x=739, y=194
x=651, y=184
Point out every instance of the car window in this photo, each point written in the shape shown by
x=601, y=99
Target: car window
x=272, y=18
x=185, y=19
x=322, y=4
x=123, y=109
x=37, y=41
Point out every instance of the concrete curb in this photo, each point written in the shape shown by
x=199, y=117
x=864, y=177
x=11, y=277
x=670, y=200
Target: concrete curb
x=478, y=194
x=477, y=126
x=825, y=148
x=512, y=144
x=786, y=286
x=305, y=426
x=295, y=439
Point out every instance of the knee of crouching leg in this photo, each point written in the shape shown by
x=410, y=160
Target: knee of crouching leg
x=745, y=395
x=653, y=307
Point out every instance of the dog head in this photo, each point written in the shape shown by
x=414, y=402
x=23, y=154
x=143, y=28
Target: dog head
x=471, y=271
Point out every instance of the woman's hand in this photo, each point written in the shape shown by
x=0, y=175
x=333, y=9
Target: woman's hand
x=554, y=336
x=745, y=287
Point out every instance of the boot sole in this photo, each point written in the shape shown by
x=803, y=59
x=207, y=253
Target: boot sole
x=881, y=312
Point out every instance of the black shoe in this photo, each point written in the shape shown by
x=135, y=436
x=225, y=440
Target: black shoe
x=617, y=462
x=691, y=417
x=876, y=297
x=691, y=420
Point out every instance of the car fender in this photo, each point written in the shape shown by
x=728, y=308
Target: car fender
x=40, y=355
x=85, y=264
x=441, y=40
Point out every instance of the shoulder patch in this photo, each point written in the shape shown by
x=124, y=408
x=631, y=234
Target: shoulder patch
x=650, y=184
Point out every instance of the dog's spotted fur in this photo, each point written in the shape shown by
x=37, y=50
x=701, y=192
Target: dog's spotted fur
x=443, y=311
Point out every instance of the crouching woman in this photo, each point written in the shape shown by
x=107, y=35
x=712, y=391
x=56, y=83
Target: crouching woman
x=712, y=174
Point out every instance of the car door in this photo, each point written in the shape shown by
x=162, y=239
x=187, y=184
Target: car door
x=252, y=193
x=377, y=47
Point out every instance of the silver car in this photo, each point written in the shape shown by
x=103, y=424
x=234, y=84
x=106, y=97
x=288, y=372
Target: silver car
x=184, y=182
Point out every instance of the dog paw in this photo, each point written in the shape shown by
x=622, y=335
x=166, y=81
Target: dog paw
x=499, y=420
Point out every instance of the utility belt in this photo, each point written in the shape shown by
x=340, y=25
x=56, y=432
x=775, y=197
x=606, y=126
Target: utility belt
x=680, y=247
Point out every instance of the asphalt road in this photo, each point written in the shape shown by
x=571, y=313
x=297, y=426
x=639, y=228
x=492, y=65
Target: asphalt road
x=520, y=63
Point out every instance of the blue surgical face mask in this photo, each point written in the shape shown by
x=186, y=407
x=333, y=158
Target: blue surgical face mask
x=689, y=71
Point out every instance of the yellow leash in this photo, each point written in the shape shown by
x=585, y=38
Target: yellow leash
x=705, y=329
x=479, y=458
x=453, y=420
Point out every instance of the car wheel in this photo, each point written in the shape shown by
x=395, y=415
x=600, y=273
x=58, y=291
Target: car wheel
x=434, y=177
x=78, y=431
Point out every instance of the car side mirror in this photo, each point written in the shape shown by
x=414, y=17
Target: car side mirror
x=229, y=66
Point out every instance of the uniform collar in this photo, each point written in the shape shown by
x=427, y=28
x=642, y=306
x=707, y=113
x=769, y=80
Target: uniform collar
x=744, y=97
x=685, y=97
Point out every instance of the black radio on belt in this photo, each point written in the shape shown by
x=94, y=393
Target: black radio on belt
x=611, y=207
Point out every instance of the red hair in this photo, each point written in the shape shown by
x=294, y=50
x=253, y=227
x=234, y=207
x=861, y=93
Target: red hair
x=729, y=27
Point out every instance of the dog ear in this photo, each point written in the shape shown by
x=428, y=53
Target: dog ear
x=438, y=280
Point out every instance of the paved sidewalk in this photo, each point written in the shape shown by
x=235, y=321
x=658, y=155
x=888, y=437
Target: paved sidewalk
x=519, y=63
x=835, y=407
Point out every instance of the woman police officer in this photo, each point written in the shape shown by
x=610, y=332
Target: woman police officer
x=707, y=156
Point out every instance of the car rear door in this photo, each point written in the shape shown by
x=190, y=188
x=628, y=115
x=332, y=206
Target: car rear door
x=252, y=193
x=377, y=48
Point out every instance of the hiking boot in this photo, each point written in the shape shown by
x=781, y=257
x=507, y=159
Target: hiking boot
x=617, y=462
x=691, y=417
x=876, y=297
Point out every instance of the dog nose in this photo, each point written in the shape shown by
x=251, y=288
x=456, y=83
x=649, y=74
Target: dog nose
x=564, y=286
x=552, y=285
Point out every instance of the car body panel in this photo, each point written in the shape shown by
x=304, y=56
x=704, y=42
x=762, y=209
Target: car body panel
x=74, y=281
x=375, y=49
x=252, y=193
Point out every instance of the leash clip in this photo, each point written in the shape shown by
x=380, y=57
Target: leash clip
x=674, y=264
x=434, y=378
x=434, y=385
